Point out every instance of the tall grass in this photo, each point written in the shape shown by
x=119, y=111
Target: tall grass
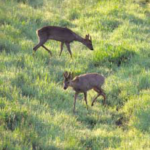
x=35, y=111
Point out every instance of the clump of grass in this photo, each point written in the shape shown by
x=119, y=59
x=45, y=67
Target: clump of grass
x=64, y=23
x=144, y=80
x=24, y=82
x=119, y=92
x=137, y=110
x=34, y=4
x=9, y=47
x=15, y=119
x=108, y=24
x=73, y=14
x=141, y=1
x=111, y=54
x=6, y=92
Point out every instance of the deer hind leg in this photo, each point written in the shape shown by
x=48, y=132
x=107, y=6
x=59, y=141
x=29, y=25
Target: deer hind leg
x=95, y=99
x=61, y=48
x=100, y=92
x=69, y=50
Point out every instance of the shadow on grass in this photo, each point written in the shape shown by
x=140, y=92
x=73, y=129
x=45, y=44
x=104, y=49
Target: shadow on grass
x=102, y=142
x=31, y=130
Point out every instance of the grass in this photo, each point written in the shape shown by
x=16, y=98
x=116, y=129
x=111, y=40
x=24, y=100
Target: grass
x=35, y=111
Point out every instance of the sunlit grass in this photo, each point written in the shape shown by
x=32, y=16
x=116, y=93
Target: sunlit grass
x=36, y=113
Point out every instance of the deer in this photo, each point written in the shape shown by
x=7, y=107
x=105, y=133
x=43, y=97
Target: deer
x=84, y=83
x=63, y=35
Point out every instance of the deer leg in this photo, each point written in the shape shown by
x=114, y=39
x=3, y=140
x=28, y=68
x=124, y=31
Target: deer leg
x=41, y=42
x=100, y=92
x=95, y=99
x=85, y=98
x=75, y=97
x=104, y=96
x=47, y=50
x=69, y=50
x=61, y=48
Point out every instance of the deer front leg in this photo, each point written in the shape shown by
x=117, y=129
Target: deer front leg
x=41, y=42
x=75, y=97
x=85, y=98
x=69, y=50
x=61, y=48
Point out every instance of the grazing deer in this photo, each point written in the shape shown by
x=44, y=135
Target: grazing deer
x=64, y=35
x=83, y=83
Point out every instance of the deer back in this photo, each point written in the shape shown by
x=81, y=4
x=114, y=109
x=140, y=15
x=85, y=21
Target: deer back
x=88, y=81
x=57, y=33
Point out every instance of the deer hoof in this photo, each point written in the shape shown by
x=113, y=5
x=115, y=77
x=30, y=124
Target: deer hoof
x=34, y=49
x=33, y=53
x=104, y=104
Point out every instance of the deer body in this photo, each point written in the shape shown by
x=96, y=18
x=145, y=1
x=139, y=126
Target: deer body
x=84, y=83
x=63, y=35
x=52, y=32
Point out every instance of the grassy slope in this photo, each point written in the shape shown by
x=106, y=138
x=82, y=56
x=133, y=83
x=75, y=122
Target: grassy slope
x=35, y=111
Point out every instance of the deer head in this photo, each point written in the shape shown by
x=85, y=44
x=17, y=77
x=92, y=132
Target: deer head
x=88, y=41
x=67, y=79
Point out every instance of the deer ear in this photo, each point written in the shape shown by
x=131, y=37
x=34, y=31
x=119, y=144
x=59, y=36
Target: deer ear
x=66, y=74
x=71, y=75
x=87, y=37
x=76, y=79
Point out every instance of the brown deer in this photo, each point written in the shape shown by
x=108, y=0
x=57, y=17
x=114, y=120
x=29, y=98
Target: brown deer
x=84, y=83
x=64, y=35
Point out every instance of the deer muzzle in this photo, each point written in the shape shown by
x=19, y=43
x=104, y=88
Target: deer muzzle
x=65, y=87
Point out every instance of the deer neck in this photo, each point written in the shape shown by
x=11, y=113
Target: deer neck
x=75, y=84
x=79, y=38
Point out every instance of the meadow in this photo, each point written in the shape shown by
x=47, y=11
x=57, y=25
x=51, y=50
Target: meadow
x=36, y=112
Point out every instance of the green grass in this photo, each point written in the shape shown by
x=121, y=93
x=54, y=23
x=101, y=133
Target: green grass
x=36, y=113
